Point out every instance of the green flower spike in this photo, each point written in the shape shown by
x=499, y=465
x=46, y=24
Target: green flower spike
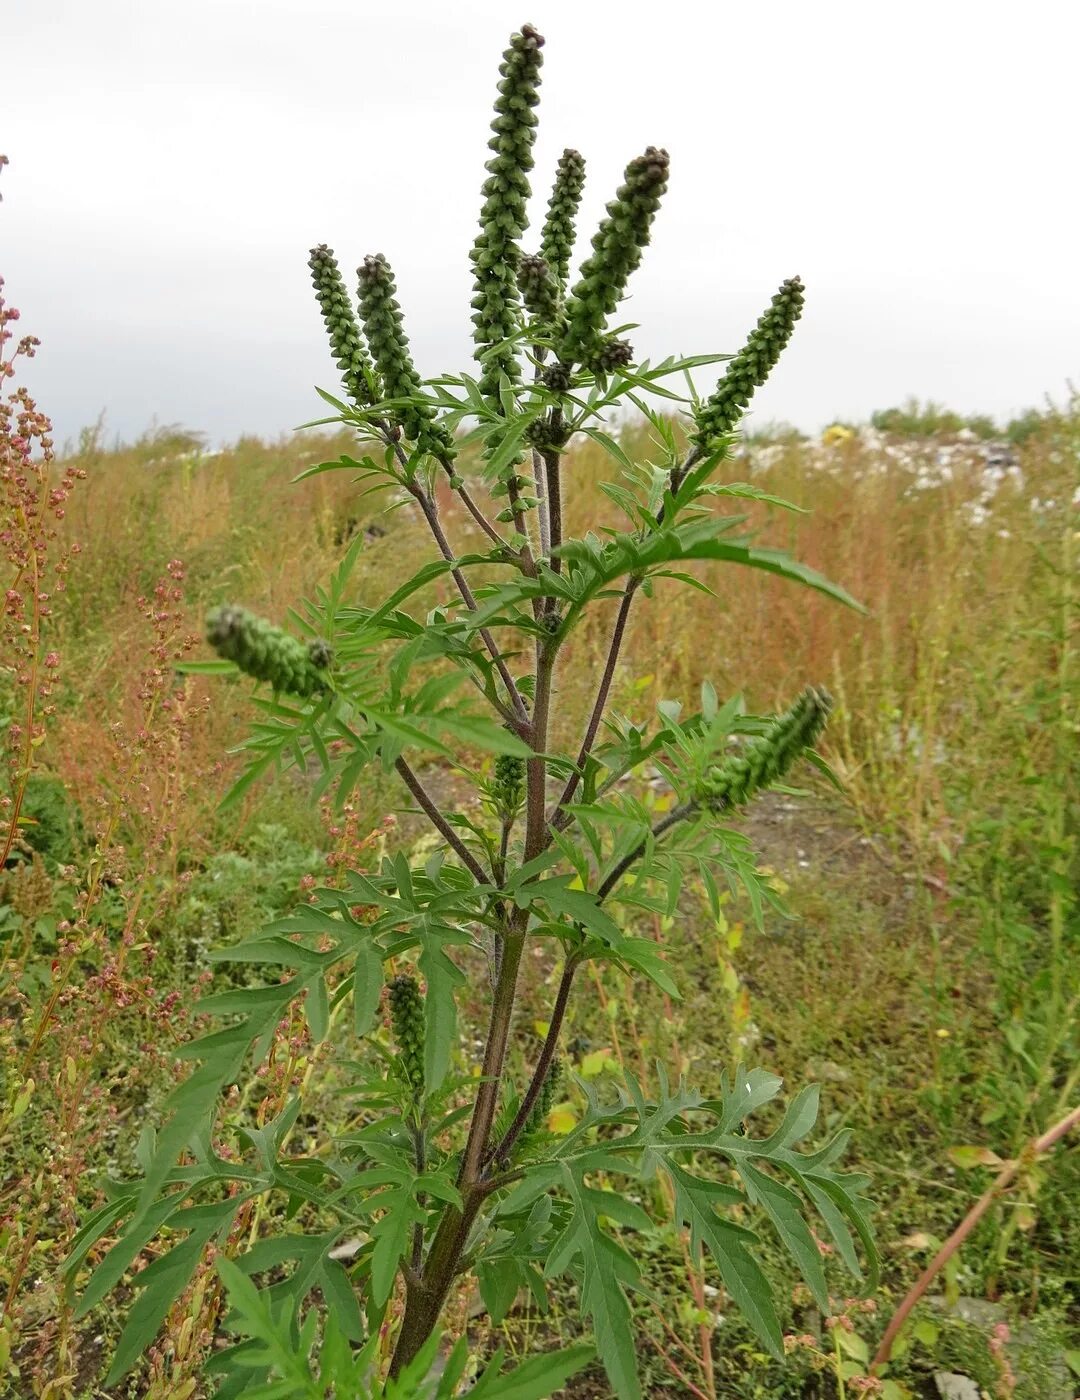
x=751, y=366
x=617, y=247
x=266, y=652
x=509, y=781
x=765, y=760
x=346, y=342
x=557, y=240
x=407, y=1019
x=539, y=290
x=383, y=326
x=503, y=218
x=543, y=1105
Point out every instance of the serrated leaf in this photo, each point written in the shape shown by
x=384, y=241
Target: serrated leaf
x=727, y=1242
x=367, y=986
x=392, y=1234
x=535, y=1379
x=440, y=1012
x=784, y=1210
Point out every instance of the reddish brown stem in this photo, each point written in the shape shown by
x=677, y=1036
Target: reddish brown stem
x=1005, y=1177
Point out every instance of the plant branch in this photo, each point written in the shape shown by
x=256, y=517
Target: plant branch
x=553, y=496
x=431, y=515
x=560, y=818
x=445, y=830
x=470, y=505
x=551, y=1040
x=1035, y=1149
x=501, y=1154
x=676, y=815
x=540, y=480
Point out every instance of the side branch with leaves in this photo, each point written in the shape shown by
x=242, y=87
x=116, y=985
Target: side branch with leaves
x=451, y=1170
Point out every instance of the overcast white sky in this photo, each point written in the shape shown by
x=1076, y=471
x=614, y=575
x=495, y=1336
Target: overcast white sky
x=172, y=163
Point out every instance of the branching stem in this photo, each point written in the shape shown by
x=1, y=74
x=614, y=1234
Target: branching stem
x=439, y=822
x=561, y=817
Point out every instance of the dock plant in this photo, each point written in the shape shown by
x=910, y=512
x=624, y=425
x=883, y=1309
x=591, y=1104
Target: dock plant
x=451, y=1171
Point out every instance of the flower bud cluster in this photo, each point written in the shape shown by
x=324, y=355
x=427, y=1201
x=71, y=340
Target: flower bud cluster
x=383, y=326
x=346, y=342
x=751, y=366
x=266, y=652
x=617, y=247
x=503, y=217
x=407, y=1020
x=557, y=239
x=611, y=354
x=765, y=760
x=546, y=1098
x=539, y=290
x=509, y=781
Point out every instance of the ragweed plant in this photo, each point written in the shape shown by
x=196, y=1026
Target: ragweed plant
x=451, y=1171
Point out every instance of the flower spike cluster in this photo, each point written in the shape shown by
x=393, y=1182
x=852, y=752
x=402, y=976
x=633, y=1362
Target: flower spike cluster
x=766, y=759
x=267, y=653
x=751, y=366
x=557, y=239
x=346, y=342
x=503, y=218
x=381, y=315
x=617, y=247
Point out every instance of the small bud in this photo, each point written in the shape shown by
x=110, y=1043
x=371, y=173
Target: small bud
x=509, y=782
x=539, y=290
x=610, y=355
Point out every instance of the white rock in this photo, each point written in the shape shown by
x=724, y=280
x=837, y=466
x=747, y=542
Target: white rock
x=951, y=1386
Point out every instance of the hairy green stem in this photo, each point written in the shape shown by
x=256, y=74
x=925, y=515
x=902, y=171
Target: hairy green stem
x=540, y=480
x=554, y=506
x=676, y=815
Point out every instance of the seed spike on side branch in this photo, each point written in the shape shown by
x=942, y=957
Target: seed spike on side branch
x=384, y=326
x=751, y=367
x=346, y=340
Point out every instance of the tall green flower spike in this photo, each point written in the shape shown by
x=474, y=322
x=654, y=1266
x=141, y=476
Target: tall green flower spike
x=617, y=247
x=751, y=366
x=503, y=218
x=557, y=239
x=267, y=653
x=766, y=759
x=383, y=326
x=346, y=342
x=407, y=1019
